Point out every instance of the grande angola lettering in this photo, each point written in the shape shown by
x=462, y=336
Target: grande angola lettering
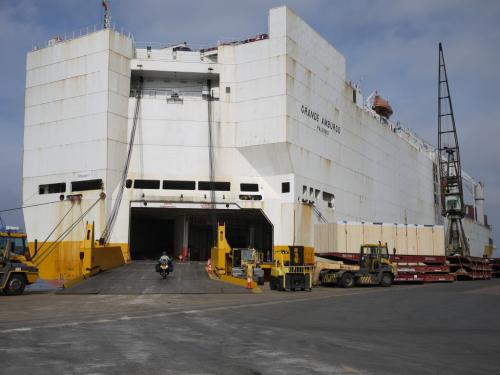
x=325, y=125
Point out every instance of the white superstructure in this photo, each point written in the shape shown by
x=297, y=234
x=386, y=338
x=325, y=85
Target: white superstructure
x=292, y=140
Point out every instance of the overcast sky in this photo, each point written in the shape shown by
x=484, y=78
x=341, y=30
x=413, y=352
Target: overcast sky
x=389, y=45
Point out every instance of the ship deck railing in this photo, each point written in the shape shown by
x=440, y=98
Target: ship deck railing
x=68, y=36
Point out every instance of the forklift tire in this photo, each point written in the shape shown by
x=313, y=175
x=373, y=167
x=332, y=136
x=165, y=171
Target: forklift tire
x=279, y=284
x=272, y=283
x=347, y=280
x=386, y=280
x=15, y=286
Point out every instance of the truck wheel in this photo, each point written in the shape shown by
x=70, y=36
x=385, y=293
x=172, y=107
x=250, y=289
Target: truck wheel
x=386, y=280
x=347, y=280
x=15, y=285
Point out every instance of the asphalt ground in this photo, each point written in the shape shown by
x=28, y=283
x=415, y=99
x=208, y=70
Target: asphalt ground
x=406, y=329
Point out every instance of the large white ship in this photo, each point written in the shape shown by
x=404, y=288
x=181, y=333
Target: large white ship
x=270, y=128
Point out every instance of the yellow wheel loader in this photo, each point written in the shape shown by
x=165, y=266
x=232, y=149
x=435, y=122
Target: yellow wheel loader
x=16, y=268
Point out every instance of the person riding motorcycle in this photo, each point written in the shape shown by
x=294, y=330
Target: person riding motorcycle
x=165, y=258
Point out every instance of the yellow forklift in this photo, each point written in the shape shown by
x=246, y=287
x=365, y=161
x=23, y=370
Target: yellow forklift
x=375, y=268
x=16, y=268
x=242, y=259
x=292, y=268
x=235, y=262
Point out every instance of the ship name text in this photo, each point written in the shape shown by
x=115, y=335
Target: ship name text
x=324, y=125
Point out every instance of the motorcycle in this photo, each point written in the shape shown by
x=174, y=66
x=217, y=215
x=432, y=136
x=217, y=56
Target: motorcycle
x=164, y=269
x=164, y=266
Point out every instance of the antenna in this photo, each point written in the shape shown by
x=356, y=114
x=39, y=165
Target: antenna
x=107, y=14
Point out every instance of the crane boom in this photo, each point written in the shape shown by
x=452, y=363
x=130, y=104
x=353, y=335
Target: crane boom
x=452, y=197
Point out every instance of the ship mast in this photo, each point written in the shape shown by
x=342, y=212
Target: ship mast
x=107, y=14
x=452, y=197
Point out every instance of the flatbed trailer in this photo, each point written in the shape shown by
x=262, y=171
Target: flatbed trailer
x=424, y=273
x=322, y=264
x=424, y=277
x=495, y=267
x=411, y=268
x=470, y=268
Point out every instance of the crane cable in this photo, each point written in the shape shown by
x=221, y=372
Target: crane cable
x=211, y=162
x=106, y=233
x=53, y=230
x=59, y=239
x=28, y=206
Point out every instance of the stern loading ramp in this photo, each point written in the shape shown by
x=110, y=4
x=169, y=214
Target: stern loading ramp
x=140, y=277
x=154, y=230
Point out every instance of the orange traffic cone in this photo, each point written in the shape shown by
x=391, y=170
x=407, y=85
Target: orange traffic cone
x=249, y=283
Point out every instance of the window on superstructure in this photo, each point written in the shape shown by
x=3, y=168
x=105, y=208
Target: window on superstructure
x=250, y=197
x=354, y=96
x=217, y=185
x=285, y=187
x=228, y=90
x=52, y=188
x=175, y=98
x=128, y=184
x=146, y=184
x=304, y=189
x=249, y=187
x=329, y=198
x=84, y=185
x=149, y=93
x=179, y=185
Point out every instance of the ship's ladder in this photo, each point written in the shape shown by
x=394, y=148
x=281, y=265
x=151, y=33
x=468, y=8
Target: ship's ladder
x=320, y=215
